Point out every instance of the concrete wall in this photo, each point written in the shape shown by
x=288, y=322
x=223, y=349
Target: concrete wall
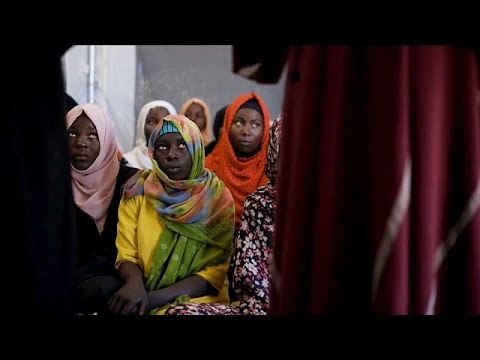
x=127, y=77
x=178, y=72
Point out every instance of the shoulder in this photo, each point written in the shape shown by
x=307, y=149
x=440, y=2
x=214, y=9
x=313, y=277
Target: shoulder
x=226, y=193
x=125, y=172
x=128, y=155
x=124, y=161
x=214, y=161
x=259, y=195
x=260, y=199
x=218, y=187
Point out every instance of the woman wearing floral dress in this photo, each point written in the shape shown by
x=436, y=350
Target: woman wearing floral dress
x=253, y=247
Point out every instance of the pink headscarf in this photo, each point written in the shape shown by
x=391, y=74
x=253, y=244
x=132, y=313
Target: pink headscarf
x=93, y=188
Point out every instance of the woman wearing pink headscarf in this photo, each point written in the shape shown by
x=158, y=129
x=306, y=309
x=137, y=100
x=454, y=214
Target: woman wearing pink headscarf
x=97, y=178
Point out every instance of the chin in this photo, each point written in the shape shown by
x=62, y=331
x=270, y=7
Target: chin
x=246, y=150
x=176, y=177
x=80, y=166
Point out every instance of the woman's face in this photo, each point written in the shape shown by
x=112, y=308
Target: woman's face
x=172, y=156
x=196, y=113
x=247, y=130
x=83, y=142
x=153, y=118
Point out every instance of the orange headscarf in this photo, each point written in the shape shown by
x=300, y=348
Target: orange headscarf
x=241, y=175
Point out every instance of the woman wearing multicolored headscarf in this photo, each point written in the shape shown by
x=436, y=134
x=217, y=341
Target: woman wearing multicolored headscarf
x=149, y=116
x=96, y=178
x=253, y=247
x=176, y=224
x=198, y=111
x=240, y=156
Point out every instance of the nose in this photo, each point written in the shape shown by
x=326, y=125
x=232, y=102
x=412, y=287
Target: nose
x=246, y=130
x=81, y=141
x=172, y=153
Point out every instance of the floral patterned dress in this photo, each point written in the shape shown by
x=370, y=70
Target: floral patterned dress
x=253, y=248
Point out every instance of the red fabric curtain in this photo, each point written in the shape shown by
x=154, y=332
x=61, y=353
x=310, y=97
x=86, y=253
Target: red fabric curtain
x=379, y=185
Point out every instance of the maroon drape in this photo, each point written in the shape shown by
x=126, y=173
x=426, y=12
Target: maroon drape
x=379, y=188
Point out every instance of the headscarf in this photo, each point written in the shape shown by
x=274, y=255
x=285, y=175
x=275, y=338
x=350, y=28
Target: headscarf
x=198, y=212
x=138, y=156
x=240, y=175
x=93, y=188
x=273, y=151
x=252, y=104
x=207, y=132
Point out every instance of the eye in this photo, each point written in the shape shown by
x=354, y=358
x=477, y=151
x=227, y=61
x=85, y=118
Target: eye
x=238, y=122
x=71, y=134
x=161, y=147
x=182, y=145
x=93, y=136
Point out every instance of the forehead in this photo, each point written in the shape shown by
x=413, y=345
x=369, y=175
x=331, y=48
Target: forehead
x=195, y=107
x=249, y=114
x=170, y=138
x=83, y=122
x=158, y=111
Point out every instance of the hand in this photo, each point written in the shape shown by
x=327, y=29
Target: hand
x=131, y=299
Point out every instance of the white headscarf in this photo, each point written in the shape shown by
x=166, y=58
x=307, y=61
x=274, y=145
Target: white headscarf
x=138, y=156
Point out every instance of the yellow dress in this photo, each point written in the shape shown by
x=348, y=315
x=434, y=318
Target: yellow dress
x=138, y=232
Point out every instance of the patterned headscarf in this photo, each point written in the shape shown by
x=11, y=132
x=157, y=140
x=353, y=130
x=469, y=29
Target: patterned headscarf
x=207, y=132
x=273, y=151
x=198, y=212
x=241, y=175
x=138, y=156
x=93, y=188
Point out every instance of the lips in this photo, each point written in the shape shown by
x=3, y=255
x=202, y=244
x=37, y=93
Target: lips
x=80, y=157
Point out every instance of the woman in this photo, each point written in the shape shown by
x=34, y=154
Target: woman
x=217, y=129
x=149, y=116
x=253, y=247
x=241, y=153
x=176, y=225
x=96, y=178
x=198, y=111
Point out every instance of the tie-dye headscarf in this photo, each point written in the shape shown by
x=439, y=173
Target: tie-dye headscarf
x=198, y=212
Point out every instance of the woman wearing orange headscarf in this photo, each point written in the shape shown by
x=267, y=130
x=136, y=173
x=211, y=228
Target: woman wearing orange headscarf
x=239, y=159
